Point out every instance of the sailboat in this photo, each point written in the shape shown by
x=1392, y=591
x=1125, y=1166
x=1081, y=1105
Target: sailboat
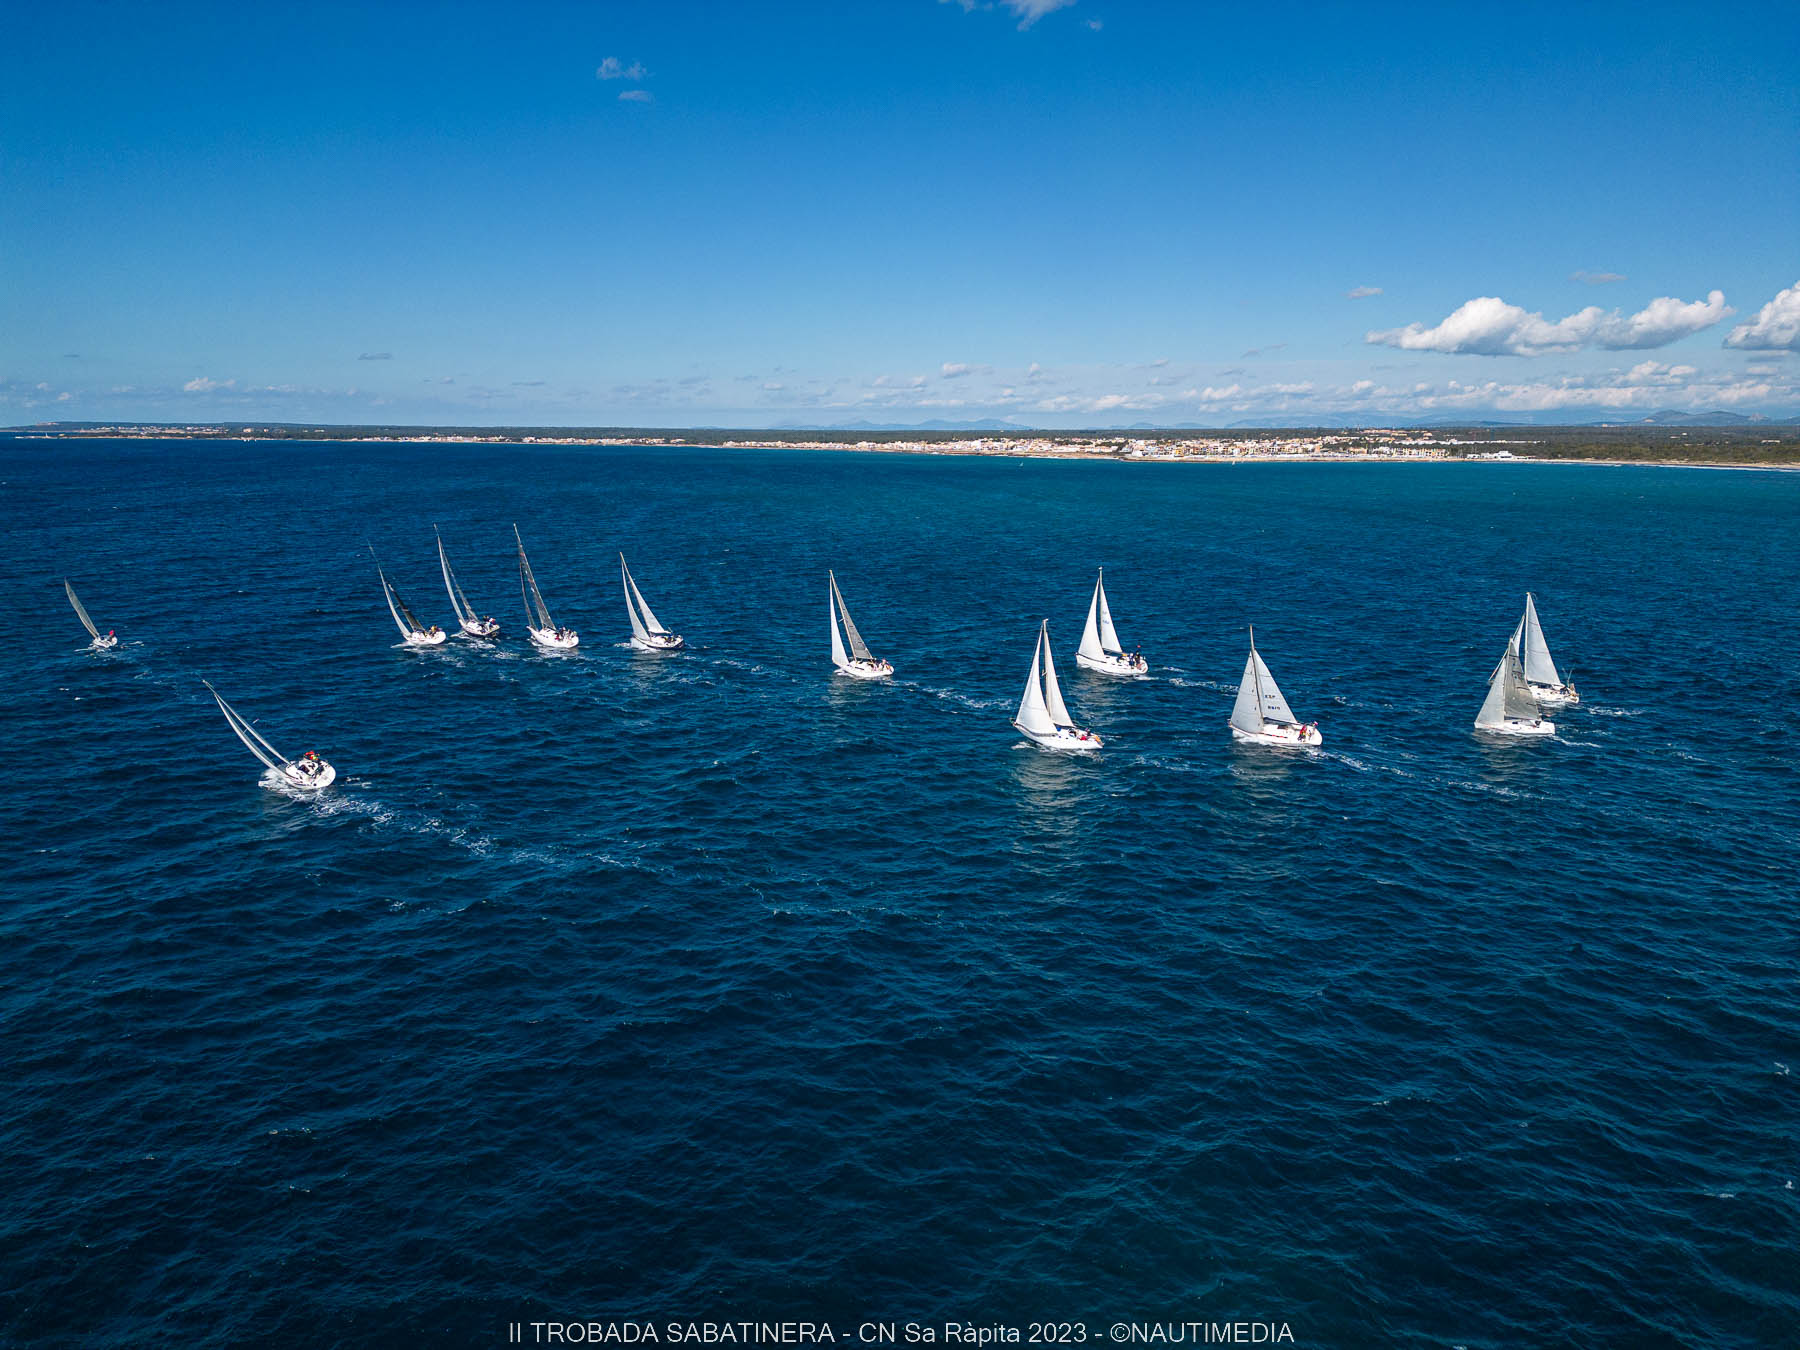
x=1510, y=709
x=1261, y=715
x=102, y=642
x=1540, y=671
x=544, y=630
x=473, y=624
x=1100, y=646
x=646, y=633
x=861, y=663
x=412, y=632
x=308, y=773
x=1043, y=715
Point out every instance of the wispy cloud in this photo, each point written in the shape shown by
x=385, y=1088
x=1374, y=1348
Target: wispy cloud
x=376, y=356
x=614, y=69
x=1488, y=326
x=1255, y=352
x=1595, y=278
x=1361, y=292
x=637, y=96
x=201, y=385
x=1776, y=327
x=1095, y=25
x=1027, y=12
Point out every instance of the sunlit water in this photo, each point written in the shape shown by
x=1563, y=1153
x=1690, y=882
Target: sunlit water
x=610, y=984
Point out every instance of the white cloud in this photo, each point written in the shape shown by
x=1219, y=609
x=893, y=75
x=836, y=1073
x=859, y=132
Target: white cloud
x=1595, y=278
x=201, y=385
x=636, y=96
x=1212, y=395
x=953, y=369
x=1095, y=25
x=1361, y=292
x=614, y=69
x=1027, y=12
x=1488, y=326
x=1776, y=327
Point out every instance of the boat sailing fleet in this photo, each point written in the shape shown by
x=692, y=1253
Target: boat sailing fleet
x=1522, y=687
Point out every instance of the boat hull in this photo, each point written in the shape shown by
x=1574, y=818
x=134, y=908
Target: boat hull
x=866, y=670
x=1280, y=737
x=437, y=637
x=1124, y=667
x=293, y=778
x=1077, y=742
x=669, y=642
x=550, y=641
x=486, y=631
x=1518, y=726
x=103, y=644
x=1555, y=696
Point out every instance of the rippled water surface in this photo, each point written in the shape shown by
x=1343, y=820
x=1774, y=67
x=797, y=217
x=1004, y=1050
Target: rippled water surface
x=618, y=985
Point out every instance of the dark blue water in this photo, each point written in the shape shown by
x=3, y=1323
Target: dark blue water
x=617, y=985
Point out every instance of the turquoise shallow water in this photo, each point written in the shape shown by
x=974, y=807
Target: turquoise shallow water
x=619, y=985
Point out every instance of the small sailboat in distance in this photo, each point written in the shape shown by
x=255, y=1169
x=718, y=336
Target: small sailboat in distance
x=1534, y=653
x=1101, y=649
x=1261, y=715
x=1510, y=709
x=412, y=632
x=646, y=633
x=1043, y=715
x=860, y=663
x=544, y=630
x=309, y=773
x=102, y=642
x=473, y=624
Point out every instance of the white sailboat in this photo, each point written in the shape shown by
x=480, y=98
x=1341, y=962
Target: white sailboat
x=646, y=633
x=1510, y=709
x=1261, y=715
x=412, y=632
x=473, y=624
x=308, y=773
x=544, y=630
x=1528, y=644
x=859, y=663
x=1101, y=649
x=102, y=642
x=1043, y=715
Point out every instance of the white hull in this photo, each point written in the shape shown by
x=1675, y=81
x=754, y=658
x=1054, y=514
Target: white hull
x=437, y=637
x=866, y=670
x=1279, y=736
x=1517, y=726
x=550, y=639
x=294, y=777
x=1552, y=696
x=103, y=644
x=1064, y=738
x=653, y=642
x=1123, y=666
x=485, y=629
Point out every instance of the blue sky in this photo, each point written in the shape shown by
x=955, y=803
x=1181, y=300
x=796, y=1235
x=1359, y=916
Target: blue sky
x=1072, y=214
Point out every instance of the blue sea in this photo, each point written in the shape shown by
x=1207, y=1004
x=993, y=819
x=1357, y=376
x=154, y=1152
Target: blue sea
x=615, y=986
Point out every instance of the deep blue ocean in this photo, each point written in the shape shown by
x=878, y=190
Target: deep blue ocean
x=628, y=986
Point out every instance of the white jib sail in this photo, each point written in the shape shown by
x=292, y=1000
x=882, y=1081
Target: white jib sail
x=1274, y=706
x=465, y=612
x=528, y=589
x=1090, y=635
x=1539, y=668
x=1109, y=636
x=838, y=659
x=858, y=648
x=1033, y=715
x=1053, y=699
x=1508, y=696
x=81, y=610
x=268, y=754
x=388, y=591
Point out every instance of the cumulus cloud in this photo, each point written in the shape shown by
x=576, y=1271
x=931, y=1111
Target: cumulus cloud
x=1488, y=326
x=1776, y=327
x=636, y=96
x=614, y=69
x=1361, y=292
x=955, y=369
x=201, y=385
x=376, y=356
x=1595, y=278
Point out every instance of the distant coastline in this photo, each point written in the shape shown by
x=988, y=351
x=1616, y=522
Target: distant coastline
x=1767, y=445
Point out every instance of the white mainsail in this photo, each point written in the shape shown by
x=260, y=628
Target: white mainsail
x=1053, y=699
x=1539, y=668
x=465, y=612
x=1508, y=696
x=529, y=592
x=859, y=649
x=1034, y=716
x=268, y=754
x=81, y=611
x=635, y=606
x=838, y=658
x=1109, y=636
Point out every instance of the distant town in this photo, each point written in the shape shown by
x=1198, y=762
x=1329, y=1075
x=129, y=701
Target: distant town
x=1755, y=446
